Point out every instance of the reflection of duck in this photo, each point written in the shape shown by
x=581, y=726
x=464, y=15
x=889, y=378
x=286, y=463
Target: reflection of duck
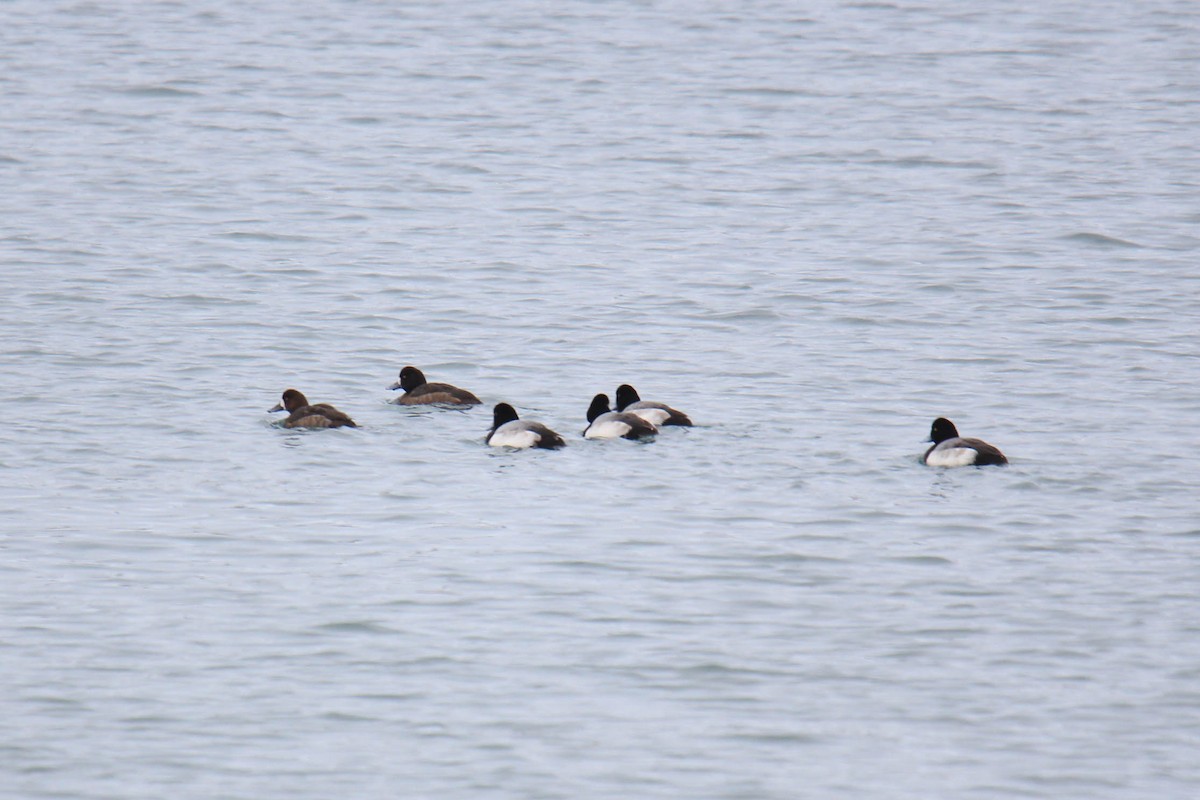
x=951, y=450
x=418, y=391
x=606, y=424
x=302, y=415
x=652, y=412
x=508, y=430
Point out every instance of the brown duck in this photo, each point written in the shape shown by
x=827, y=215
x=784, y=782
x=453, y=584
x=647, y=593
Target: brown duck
x=418, y=391
x=302, y=415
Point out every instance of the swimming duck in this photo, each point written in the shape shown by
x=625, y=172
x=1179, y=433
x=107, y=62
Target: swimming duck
x=652, y=412
x=606, y=424
x=508, y=430
x=418, y=391
x=951, y=450
x=302, y=415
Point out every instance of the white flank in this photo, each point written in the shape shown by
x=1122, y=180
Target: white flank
x=951, y=457
x=606, y=428
x=655, y=416
x=510, y=435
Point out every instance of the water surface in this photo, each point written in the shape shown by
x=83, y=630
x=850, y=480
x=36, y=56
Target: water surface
x=813, y=229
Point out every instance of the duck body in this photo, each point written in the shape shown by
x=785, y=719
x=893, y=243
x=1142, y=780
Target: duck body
x=508, y=430
x=951, y=450
x=303, y=415
x=653, y=412
x=606, y=424
x=418, y=391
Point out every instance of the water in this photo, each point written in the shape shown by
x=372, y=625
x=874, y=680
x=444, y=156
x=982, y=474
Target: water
x=813, y=229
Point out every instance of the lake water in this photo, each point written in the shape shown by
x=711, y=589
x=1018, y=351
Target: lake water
x=813, y=227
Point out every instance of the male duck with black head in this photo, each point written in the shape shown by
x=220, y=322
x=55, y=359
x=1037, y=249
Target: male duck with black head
x=303, y=415
x=419, y=392
x=508, y=430
x=604, y=423
x=653, y=412
x=951, y=450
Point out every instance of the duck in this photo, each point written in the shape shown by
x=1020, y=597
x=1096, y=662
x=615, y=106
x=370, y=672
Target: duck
x=303, y=415
x=509, y=430
x=418, y=391
x=951, y=450
x=654, y=413
x=604, y=423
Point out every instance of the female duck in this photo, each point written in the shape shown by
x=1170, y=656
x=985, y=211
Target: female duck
x=302, y=415
x=652, y=412
x=508, y=430
x=951, y=450
x=418, y=391
x=606, y=424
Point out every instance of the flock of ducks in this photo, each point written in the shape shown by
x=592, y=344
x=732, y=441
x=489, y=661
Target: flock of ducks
x=633, y=418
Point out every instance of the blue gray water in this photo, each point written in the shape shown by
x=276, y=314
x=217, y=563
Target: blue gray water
x=812, y=227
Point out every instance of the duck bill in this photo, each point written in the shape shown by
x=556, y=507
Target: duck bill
x=395, y=386
x=276, y=407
